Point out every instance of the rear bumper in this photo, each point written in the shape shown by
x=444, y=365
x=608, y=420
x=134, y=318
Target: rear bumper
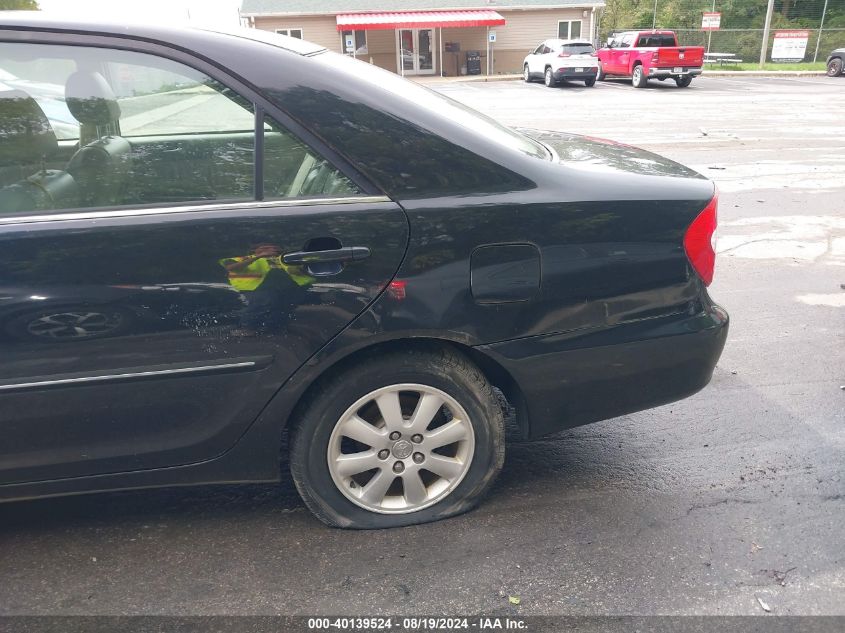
x=576, y=378
x=570, y=74
x=670, y=72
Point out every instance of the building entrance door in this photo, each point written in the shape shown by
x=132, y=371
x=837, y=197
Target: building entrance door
x=415, y=51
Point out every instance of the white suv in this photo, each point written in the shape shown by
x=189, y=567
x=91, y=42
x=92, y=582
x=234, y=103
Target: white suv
x=562, y=60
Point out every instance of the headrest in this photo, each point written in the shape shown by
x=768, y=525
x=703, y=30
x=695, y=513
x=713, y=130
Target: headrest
x=26, y=132
x=90, y=99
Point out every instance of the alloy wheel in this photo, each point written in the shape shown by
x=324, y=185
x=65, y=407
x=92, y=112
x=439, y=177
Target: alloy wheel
x=74, y=325
x=401, y=448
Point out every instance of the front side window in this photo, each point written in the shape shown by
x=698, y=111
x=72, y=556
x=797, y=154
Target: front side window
x=87, y=128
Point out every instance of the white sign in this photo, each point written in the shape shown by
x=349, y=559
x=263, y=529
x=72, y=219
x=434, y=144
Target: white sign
x=350, y=44
x=711, y=21
x=790, y=46
x=492, y=36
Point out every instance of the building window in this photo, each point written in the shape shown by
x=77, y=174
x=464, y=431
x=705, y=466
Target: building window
x=359, y=40
x=297, y=33
x=569, y=29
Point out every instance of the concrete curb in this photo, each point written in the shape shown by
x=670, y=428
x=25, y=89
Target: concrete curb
x=707, y=73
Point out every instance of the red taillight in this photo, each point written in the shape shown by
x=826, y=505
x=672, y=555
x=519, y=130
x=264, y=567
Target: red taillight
x=699, y=241
x=396, y=289
x=654, y=57
x=564, y=54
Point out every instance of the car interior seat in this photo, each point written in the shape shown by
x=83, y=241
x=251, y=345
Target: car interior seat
x=28, y=144
x=101, y=164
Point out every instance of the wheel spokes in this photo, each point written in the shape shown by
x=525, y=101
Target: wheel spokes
x=427, y=407
x=362, y=431
x=449, y=433
x=390, y=409
x=355, y=463
x=446, y=467
x=414, y=490
x=377, y=487
x=400, y=446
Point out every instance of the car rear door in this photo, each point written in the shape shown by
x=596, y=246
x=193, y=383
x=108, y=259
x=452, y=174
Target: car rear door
x=198, y=255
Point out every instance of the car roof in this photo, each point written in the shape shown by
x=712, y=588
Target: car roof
x=649, y=31
x=559, y=42
x=46, y=21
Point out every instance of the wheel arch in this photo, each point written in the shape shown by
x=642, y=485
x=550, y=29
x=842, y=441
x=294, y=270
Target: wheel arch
x=494, y=372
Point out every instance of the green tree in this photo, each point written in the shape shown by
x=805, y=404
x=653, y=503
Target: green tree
x=16, y=5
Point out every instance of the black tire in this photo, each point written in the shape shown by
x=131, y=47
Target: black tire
x=683, y=82
x=834, y=67
x=590, y=82
x=549, y=78
x=638, y=78
x=445, y=370
x=526, y=74
x=600, y=76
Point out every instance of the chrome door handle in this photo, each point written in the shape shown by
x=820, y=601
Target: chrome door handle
x=346, y=254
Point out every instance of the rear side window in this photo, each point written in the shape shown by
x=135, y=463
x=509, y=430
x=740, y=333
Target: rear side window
x=88, y=128
x=655, y=40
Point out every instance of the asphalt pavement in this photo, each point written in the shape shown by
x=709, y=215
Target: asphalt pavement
x=719, y=504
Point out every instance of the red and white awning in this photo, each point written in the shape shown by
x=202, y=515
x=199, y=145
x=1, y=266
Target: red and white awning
x=418, y=20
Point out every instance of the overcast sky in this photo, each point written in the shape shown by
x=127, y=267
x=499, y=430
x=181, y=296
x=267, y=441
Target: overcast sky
x=205, y=12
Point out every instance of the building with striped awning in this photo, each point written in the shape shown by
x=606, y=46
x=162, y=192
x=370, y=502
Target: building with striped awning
x=429, y=37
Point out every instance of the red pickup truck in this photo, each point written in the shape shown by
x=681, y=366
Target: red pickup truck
x=644, y=55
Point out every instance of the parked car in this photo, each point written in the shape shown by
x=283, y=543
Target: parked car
x=360, y=269
x=556, y=60
x=50, y=99
x=836, y=62
x=644, y=55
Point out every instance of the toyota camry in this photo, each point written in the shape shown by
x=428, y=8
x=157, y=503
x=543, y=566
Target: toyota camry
x=245, y=242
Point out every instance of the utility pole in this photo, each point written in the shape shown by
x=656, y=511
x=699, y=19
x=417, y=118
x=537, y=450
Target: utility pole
x=654, y=19
x=710, y=33
x=819, y=38
x=765, y=47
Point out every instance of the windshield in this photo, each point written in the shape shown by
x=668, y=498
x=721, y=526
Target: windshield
x=443, y=105
x=577, y=49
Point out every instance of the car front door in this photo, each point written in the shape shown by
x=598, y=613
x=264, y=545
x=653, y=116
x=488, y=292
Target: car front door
x=163, y=273
x=535, y=61
x=623, y=61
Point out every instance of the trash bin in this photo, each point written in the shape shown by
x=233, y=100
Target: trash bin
x=473, y=62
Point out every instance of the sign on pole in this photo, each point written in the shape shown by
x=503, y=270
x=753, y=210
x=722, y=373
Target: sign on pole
x=790, y=46
x=711, y=21
x=492, y=36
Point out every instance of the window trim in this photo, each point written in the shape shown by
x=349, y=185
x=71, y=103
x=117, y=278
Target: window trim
x=288, y=30
x=369, y=191
x=569, y=29
x=105, y=213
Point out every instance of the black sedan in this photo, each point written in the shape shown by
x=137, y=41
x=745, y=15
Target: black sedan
x=836, y=63
x=258, y=243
